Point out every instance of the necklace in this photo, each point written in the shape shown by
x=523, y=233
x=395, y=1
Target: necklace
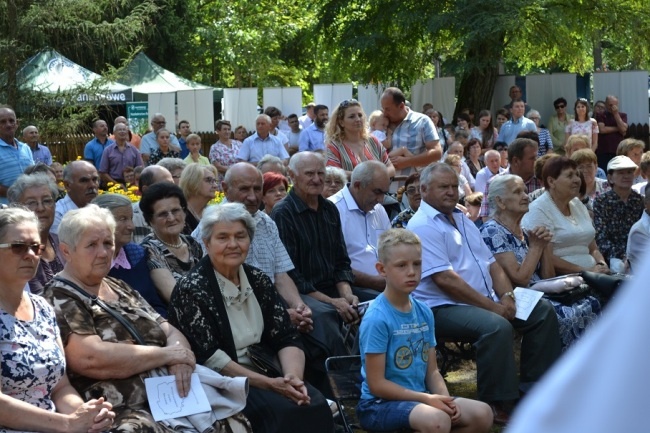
x=570, y=217
x=520, y=236
x=178, y=245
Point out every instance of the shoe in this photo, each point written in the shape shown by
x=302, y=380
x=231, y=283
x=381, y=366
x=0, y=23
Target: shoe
x=501, y=415
x=333, y=407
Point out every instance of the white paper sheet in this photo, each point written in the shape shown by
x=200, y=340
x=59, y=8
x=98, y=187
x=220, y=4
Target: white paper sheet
x=525, y=300
x=165, y=402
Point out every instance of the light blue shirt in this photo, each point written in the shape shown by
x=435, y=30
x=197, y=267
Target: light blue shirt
x=148, y=143
x=13, y=162
x=510, y=129
x=94, y=150
x=255, y=148
x=447, y=248
x=41, y=154
x=361, y=230
x=312, y=139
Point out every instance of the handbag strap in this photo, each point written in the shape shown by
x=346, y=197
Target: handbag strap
x=95, y=300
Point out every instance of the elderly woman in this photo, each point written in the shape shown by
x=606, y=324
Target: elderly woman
x=37, y=192
x=583, y=124
x=199, y=185
x=100, y=350
x=274, y=189
x=414, y=198
x=335, y=180
x=175, y=167
x=633, y=149
x=560, y=210
x=35, y=393
x=615, y=211
x=527, y=256
x=348, y=140
x=545, y=140
x=224, y=152
x=587, y=165
x=226, y=309
x=240, y=133
x=164, y=150
x=171, y=253
x=130, y=259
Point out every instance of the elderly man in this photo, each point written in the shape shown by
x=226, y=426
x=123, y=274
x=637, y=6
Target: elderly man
x=150, y=175
x=522, y=154
x=516, y=124
x=612, y=127
x=313, y=136
x=414, y=137
x=363, y=219
x=81, y=182
x=94, y=149
x=149, y=143
x=40, y=153
x=262, y=143
x=310, y=229
x=118, y=156
x=15, y=156
x=134, y=138
x=491, y=169
x=472, y=298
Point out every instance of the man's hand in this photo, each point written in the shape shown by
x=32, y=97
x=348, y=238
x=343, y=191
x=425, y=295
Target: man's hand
x=509, y=309
x=345, y=308
x=301, y=318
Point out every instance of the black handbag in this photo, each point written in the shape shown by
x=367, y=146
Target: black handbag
x=570, y=296
x=264, y=360
x=604, y=285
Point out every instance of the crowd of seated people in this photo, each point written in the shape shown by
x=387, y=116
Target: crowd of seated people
x=290, y=253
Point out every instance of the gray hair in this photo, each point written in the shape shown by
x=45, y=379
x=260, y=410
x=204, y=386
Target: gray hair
x=27, y=181
x=69, y=168
x=267, y=159
x=336, y=172
x=430, y=170
x=13, y=216
x=226, y=213
x=492, y=152
x=111, y=201
x=263, y=116
x=297, y=159
x=532, y=113
x=499, y=186
x=76, y=222
x=172, y=164
x=365, y=171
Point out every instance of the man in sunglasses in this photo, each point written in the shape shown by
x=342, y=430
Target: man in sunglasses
x=557, y=125
x=81, y=182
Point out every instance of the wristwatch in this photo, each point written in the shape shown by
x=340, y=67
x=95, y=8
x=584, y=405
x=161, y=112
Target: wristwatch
x=510, y=293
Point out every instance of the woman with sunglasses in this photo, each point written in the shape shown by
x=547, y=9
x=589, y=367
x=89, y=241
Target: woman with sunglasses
x=557, y=124
x=583, y=124
x=348, y=140
x=38, y=193
x=199, y=185
x=35, y=392
x=171, y=253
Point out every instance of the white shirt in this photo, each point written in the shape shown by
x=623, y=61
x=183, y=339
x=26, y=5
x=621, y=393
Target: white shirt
x=62, y=207
x=305, y=121
x=482, y=178
x=638, y=241
x=361, y=230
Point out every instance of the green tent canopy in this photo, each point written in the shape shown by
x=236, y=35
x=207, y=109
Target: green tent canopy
x=50, y=72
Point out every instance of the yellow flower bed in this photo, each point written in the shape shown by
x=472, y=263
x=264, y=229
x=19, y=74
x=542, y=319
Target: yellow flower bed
x=131, y=193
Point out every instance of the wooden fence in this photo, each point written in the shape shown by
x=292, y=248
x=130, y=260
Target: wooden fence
x=69, y=147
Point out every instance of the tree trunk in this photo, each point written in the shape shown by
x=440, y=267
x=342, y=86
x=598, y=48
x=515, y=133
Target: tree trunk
x=480, y=76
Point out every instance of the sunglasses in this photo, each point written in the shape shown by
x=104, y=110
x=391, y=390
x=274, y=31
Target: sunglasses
x=560, y=106
x=347, y=103
x=20, y=248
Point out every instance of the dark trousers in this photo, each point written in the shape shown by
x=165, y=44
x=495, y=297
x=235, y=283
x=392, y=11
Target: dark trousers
x=603, y=159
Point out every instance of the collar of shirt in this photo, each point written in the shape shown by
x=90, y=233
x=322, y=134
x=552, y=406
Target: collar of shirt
x=432, y=212
x=121, y=261
x=299, y=205
x=15, y=143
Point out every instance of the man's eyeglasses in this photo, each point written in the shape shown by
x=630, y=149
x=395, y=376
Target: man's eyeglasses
x=20, y=248
x=347, y=103
x=32, y=205
x=166, y=214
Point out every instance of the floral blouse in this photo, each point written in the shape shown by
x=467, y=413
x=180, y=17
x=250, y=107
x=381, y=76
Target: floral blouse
x=223, y=154
x=32, y=361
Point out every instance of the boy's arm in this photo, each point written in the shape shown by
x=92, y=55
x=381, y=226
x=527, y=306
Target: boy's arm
x=435, y=382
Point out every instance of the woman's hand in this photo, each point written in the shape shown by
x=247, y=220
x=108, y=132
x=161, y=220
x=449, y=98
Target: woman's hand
x=600, y=268
x=539, y=236
x=94, y=416
x=291, y=387
x=183, y=374
x=178, y=354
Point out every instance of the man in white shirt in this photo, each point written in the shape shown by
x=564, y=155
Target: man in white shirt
x=363, y=219
x=308, y=118
x=294, y=134
x=262, y=143
x=81, y=181
x=491, y=169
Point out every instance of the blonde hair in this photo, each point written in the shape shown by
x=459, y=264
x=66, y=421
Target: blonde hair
x=192, y=177
x=333, y=131
x=393, y=237
x=452, y=159
x=628, y=144
x=584, y=156
x=573, y=139
x=374, y=117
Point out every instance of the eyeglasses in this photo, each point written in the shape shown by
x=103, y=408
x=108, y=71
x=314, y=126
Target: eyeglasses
x=557, y=107
x=347, y=103
x=32, y=205
x=210, y=180
x=166, y=214
x=412, y=190
x=20, y=248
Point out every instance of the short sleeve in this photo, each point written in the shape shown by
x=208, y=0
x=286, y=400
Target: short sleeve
x=374, y=333
x=429, y=132
x=244, y=151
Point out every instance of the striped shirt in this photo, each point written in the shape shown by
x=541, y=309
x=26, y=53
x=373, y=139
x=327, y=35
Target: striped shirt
x=14, y=159
x=413, y=133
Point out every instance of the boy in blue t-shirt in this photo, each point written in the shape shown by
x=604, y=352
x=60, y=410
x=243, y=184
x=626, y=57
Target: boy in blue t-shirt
x=402, y=387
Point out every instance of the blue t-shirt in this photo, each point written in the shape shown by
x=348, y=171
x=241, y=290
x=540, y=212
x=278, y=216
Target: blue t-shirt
x=405, y=338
